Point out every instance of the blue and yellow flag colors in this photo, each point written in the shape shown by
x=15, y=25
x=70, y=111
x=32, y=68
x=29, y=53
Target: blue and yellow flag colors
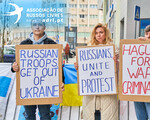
x=4, y=85
x=70, y=95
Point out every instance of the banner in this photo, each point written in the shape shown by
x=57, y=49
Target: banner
x=135, y=70
x=6, y=82
x=96, y=72
x=39, y=78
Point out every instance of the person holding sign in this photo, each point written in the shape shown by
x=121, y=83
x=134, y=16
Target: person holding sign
x=67, y=50
x=142, y=109
x=37, y=36
x=103, y=107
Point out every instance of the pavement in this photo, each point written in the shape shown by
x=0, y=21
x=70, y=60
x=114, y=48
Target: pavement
x=71, y=60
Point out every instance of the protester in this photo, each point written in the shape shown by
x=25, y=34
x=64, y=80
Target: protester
x=67, y=50
x=106, y=104
x=37, y=36
x=142, y=109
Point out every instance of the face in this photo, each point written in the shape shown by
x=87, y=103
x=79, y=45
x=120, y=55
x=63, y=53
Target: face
x=147, y=35
x=100, y=35
x=38, y=27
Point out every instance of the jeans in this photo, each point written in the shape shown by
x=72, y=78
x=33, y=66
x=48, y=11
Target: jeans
x=44, y=111
x=142, y=110
x=67, y=56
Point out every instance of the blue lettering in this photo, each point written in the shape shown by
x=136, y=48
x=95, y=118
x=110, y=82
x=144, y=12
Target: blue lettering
x=36, y=54
x=23, y=62
x=22, y=74
x=42, y=62
x=22, y=54
x=106, y=65
x=41, y=92
x=36, y=80
x=29, y=71
x=28, y=92
x=82, y=55
x=42, y=53
x=21, y=94
x=35, y=92
x=35, y=63
x=44, y=72
x=83, y=85
x=107, y=85
x=54, y=62
x=55, y=89
x=29, y=63
x=35, y=70
x=30, y=53
x=48, y=61
x=110, y=56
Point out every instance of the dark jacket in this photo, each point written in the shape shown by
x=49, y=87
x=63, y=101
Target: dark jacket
x=46, y=41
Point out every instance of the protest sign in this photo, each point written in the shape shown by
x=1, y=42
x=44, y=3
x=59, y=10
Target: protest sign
x=40, y=74
x=96, y=72
x=134, y=70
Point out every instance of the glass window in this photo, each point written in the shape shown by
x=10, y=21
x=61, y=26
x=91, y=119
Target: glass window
x=83, y=16
x=93, y=16
x=72, y=5
x=83, y=6
x=93, y=6
x=62, y=5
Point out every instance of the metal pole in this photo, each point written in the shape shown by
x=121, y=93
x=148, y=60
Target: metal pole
x=68, y=29
x=135, y=29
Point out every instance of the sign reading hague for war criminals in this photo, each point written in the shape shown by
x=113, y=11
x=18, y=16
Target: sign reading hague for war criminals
x=96, y=72
x=135, y=70
x=39, y=77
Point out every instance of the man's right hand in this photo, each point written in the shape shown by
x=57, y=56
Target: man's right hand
x=142, y=38
x=15, y=67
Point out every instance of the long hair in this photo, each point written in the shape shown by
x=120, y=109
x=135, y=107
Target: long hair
x=107, y=40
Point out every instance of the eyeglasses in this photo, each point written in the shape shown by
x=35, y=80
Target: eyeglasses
x=37, y=24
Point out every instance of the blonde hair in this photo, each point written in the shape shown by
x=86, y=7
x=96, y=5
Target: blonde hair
x=107, y=40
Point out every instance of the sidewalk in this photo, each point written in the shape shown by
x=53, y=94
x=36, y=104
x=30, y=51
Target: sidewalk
x=71, y=60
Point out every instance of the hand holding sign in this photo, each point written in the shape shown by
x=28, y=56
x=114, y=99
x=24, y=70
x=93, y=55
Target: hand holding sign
x=15, y=67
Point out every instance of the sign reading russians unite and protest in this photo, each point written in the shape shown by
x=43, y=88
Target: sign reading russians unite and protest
x=96, y=72
x=134, y=70
x=40, y=74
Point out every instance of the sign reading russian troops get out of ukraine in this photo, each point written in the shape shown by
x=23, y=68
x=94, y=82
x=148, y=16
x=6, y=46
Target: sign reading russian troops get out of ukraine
x=96, y=71
x=40, y=74
x=134, y=70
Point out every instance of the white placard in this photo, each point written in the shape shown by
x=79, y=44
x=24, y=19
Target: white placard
x=39, y=77
x=96, y=73
x=136, y=69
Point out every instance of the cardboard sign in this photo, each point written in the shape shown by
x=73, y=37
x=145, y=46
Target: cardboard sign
x=96, y=72
x=134, y=70
x=40, y=74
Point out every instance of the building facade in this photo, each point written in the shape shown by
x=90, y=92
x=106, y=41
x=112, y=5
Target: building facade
x=81, y=14
x=119, y=16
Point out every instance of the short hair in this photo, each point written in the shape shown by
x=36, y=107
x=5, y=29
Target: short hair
x=107, y=33
x=33, y=20
x=147, y=29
